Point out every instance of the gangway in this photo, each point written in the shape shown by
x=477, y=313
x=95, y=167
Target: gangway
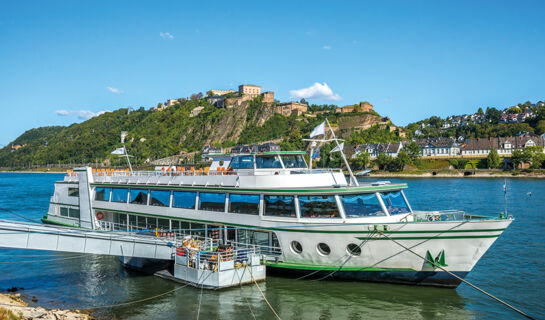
x=203, y=263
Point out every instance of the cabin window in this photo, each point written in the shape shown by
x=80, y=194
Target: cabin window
x=267, y=162
x=102, y=194
x=212, y=201
x=151, y=223
x=283, y=206
x=64, y=211
x=163, y=224
x=119, y=195
x=73, y=213
x=296, y=246
x=141, y=222
x=213, y=232
x=294, y=161
x=244, y=203
x=395, y=203
x=323, y=249
x=198, y=229
x=353, y=249
x=160, y=198
x=259, y=238
x=138, y=196
x=73, y=192
x=242, y=162
x=318, y=207
x=185, y=227
x=361, y=205
x=185, y=200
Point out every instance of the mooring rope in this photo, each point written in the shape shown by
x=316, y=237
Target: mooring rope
x=262, y=294
x=461, y=279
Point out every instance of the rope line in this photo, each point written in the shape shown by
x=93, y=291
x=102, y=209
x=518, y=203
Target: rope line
x=461, y=279
x=262, y=294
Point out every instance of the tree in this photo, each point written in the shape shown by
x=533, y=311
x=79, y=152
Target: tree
x=538, y=157
x=493, y=115
x=362, y=160
x=413, y=151
x=540, y=127
x=196, y=96
x=493, y=160
x=520, y=157
x=402, y=160
x=480, y=111
x=384, y=161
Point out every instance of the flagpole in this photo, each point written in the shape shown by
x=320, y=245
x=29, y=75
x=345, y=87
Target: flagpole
x=128, y=160
x=353, y=179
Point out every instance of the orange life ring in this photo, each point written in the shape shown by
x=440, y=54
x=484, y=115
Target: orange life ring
x=100, y=215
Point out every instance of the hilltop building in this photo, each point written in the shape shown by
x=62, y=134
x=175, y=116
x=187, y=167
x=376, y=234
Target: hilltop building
x=249, y=89
x=362, y=107
x=289, y=108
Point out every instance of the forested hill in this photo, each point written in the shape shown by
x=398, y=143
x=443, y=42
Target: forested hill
x=158, y=134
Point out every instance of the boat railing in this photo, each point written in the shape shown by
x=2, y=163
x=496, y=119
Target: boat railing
x=203, y=172
x=445, y=215
x=218, y=259
x=260, y=249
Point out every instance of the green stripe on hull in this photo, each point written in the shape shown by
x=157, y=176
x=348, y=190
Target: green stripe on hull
x=45, y=220
x=432, y=237
x=287, y=265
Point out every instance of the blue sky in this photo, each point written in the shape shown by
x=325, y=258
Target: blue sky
x=60, y=61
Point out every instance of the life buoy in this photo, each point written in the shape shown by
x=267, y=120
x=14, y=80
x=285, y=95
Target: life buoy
x=100, y=215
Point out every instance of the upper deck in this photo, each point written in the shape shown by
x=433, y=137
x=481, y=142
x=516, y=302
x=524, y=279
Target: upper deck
x=323, y=181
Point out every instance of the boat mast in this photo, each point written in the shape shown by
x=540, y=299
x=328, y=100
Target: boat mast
x=127, y=155
x=353, y=180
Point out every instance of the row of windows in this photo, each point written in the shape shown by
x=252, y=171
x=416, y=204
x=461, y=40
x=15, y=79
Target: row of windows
x=355, y=206
x=69, y=212
x=123, y=221
x=324, y=249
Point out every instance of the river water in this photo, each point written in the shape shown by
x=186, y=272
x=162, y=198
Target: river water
x=513, y=269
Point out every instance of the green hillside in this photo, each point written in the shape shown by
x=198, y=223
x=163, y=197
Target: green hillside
x=158, y=134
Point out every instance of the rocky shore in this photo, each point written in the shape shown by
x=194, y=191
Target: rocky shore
x=12, y=307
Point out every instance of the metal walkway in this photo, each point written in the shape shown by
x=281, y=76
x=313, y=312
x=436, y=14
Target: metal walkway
x=24, y=235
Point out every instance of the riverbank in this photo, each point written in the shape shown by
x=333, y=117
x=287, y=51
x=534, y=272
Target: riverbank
x=459, y=174
x=12, y=307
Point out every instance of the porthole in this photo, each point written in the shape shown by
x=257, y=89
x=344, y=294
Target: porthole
x=353, y=249
x=323, y=249
x=296, y=247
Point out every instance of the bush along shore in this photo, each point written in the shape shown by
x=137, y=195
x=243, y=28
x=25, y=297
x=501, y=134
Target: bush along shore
x=468, y=173
x=12, y=307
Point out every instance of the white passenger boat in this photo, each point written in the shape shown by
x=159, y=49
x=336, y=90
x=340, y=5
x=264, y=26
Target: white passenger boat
x=309, y=221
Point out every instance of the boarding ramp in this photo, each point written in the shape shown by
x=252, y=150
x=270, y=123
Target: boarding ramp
x=24, y=235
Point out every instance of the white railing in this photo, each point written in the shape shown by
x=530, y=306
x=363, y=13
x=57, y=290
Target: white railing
x=446, y=215
x=201, y=172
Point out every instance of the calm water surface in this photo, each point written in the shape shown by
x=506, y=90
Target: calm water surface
x=513, y=268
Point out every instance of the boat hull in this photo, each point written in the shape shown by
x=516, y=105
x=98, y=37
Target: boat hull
x=421, y=278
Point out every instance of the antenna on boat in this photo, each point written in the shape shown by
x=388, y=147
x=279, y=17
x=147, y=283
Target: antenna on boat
x=353, y=179
x=505, y=197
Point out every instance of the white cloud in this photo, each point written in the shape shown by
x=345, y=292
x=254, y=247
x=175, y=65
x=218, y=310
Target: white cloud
x=114, y=90
x=166, y=35
x=326, y=47
x=62, y=112
x=82, y=114
x=316, y=91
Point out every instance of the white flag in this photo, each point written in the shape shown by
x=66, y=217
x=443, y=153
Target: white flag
x=337, y=148
x=320, y=129
x=119, y=151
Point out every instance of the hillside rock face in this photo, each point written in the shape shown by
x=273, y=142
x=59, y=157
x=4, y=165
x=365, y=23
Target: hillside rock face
x=357, y=122
x=235, y=119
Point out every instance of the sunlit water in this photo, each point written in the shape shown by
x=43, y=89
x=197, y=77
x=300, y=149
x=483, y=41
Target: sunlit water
x=513, y=268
